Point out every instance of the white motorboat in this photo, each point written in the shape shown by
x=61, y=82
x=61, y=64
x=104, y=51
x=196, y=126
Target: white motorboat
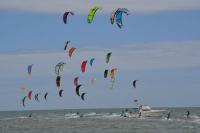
x=146, y=111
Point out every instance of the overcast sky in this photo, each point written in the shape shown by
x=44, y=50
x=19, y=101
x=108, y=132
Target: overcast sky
x=158, y=45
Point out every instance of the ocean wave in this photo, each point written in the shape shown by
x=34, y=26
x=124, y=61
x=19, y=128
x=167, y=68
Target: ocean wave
x=13, y=118
x=71, y=115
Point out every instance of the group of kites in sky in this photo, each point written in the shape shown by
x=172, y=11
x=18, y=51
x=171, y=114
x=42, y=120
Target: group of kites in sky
x=59, y=67
x=115, y=16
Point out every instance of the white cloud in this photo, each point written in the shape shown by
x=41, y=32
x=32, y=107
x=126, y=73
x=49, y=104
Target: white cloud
x=168, y=55
x=82, y=6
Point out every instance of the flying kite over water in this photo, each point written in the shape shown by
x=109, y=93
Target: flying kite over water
x=71, y=51
x=23, y=101
x=112, y=76
x=60, y=93
x=92, y=13
x=83, y=65
x=106, y=73
x=59, y=68
x=75, y=81
x=58, y=81
x=45, y=96
x=30, y=69
x=134, y=83
x=66, y=45
x=77, y=89
x=36, y=97
x=108, y=55
x=30, y=94
x=65, y=16
x=112, y=73
x=91, y=61
x=83, y=96
x=117, y=15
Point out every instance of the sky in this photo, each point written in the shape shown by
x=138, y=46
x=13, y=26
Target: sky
x=158, y=45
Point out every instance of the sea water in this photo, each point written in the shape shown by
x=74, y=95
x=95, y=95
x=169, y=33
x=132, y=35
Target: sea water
x=99, y=121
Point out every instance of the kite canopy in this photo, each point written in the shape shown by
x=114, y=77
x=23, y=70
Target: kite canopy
x=117, y=15
x=92, y=13
x=108, y=55
x=30, y=95
x=30, y=69
x=83, y=66
x=59, y=68
x=76, y=81
x=36, y=97
x=112, y=73
x=71, y=51
x=91, y=61
x=83, y=96
x=134, y=83
x=66, y=44
x=106, y=73
x=58, y=81
x=45, y=96
x=77, y=89
x=65, y=16
x=60, y=93
x=23, y=101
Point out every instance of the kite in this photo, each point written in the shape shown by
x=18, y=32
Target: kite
x=66, y=44
x=82, y=96
x=59, y=68
x=30, y=94
x=36, y=97
x=92, y=13
x=91, y=61
x=108, y=55
x=106, y=73
x=134, y=83
x=65, y=16
x=77, y=89
x=58, y=81
x=30, y=69
x=112, y=73
x=71, y=51
x=76, y=81
x=83, y=66
x=60, y=93
x=23, y=101
x=45, y=96
x=118, y=16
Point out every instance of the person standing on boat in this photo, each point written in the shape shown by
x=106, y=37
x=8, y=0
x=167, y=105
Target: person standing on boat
x=168, y=115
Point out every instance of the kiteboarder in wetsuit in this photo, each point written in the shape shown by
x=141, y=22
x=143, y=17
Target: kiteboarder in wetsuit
x=188, y=113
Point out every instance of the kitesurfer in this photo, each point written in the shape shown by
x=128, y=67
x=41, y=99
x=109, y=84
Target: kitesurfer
x=30, y=115
x=140, y=114
x=168, y=115
x=188, y=113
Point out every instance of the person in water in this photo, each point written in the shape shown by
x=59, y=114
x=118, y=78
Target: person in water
x=30, y=115
x=168, y=115
x=188, y=113
x=140, y=114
